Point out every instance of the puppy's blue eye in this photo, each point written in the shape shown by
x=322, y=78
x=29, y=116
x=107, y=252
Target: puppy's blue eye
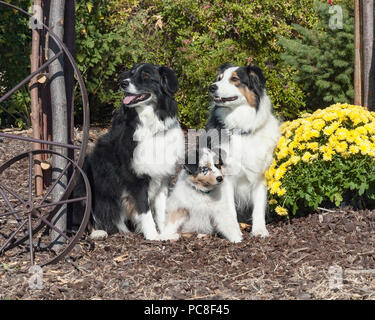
x=204, y=170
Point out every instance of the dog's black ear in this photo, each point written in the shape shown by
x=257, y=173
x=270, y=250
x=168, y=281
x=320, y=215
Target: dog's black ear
x=256, y=76
x=220, y=154
x=191, y=164
x=225, y=66
x=169, y=81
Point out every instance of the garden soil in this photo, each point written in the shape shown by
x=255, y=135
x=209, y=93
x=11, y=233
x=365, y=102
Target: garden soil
x=328, y=254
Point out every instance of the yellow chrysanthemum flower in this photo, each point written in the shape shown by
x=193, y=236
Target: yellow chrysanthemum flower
x=341, y=147
x=353, y=149
x=306, y=157
x=318, y=124
x=341, y=130
x=281, y=211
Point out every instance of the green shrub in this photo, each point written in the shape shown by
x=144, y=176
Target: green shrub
x=321, y=157
x=15, y=38
x=193, y=38
x=323, y=59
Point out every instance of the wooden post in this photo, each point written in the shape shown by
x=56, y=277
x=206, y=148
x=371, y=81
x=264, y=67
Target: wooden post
x=59, y=117
x=357, y=55
x=45, y=103
x=34, y=102
x=367, y=45
x=69, y=40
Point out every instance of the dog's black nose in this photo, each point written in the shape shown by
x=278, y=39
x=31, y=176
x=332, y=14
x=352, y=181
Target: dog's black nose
x=219, y=178
x=212, y=88
x=124, y=84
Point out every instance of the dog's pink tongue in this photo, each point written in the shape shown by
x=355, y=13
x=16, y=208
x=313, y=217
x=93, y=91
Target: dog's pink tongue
x=129, y=99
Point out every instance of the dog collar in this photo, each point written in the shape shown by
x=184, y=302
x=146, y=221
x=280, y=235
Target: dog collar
x=205, y=192
x=240, y=132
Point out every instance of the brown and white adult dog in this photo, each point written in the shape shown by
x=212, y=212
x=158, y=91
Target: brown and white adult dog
x=242, y=113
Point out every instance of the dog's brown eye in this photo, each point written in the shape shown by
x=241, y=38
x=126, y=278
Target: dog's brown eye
x=145, y=75
x=235, y=79
x=218, y=165
x=219, y=77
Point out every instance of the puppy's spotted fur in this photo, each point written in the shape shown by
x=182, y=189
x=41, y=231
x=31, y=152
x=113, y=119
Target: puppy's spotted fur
x=199, y=200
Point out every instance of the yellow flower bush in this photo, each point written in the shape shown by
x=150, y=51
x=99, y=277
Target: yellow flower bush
x=321, y=157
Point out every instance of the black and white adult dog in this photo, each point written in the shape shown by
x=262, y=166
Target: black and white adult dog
x=242, y=110
x=131, y=165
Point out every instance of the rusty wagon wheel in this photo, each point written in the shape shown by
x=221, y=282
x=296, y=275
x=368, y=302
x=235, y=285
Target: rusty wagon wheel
x=28, y=217
x=25, y=219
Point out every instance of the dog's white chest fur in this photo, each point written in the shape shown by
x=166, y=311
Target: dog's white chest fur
x=250, y=150
x=242, y=118
x=160, y=144
x=251, y=155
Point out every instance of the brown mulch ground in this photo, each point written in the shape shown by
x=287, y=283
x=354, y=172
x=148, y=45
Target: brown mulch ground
x=293, y=263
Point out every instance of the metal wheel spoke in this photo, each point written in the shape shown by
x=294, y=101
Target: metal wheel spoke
x=14, y=213
x=12, y=236
x=40, y=216
x=54, y=183
x=30, y=177
x=6, y=199
x=28, y=78
x=31, y=243
x=60, y=202
x=3, y=186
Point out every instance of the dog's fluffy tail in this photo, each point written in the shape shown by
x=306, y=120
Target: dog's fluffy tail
x=78, y=208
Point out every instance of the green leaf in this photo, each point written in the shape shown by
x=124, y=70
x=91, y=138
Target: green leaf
x=89, y=6
x=362, y=188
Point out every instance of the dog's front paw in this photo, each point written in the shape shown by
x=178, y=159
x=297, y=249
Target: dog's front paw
x=260, y=232
x=236, y=239
x=99, y=235
x=152, y=237
x=169, y=236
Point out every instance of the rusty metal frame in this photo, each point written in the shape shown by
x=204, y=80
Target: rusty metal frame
x=76, y=164
x=65, y=50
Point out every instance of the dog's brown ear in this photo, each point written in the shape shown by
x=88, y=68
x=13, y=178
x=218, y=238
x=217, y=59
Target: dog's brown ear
x=169, y=81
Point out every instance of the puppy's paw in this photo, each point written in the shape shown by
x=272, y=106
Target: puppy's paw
x=98, y=235
x=260, y=232
x=169, y=236
x=152, y=237
x=236, y=238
